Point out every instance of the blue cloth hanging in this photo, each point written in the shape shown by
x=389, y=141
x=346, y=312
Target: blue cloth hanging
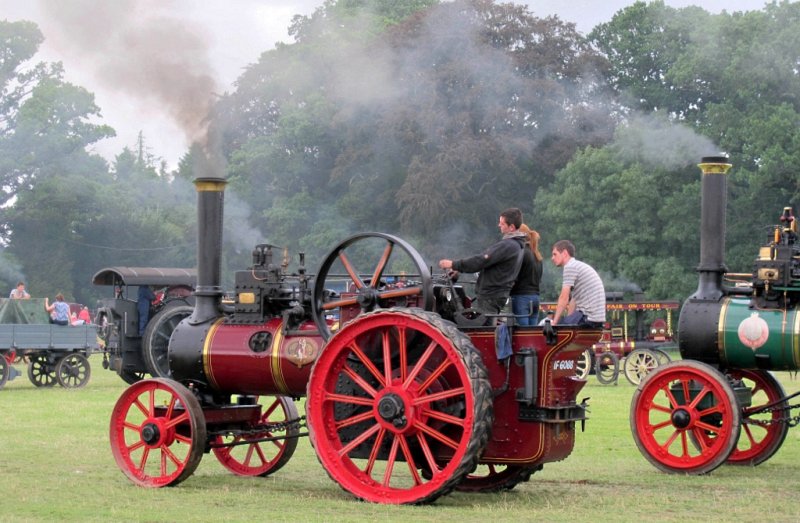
x=502, y=341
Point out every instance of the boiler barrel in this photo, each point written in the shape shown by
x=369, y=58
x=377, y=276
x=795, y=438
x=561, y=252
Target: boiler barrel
x=249, y=359
x=732, y=334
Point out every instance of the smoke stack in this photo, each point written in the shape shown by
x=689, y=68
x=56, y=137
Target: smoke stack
x=208, y=294
x=712, y=227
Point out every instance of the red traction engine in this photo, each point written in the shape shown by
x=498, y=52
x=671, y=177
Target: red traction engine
x=720, y=404
x=406, y=400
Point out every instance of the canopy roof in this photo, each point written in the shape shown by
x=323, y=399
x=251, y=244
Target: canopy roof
x=145, y=276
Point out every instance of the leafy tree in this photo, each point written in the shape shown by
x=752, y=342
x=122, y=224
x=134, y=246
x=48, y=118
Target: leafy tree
x=731, y=77
x=445, y=114
x=607, y=201
x=45, y=122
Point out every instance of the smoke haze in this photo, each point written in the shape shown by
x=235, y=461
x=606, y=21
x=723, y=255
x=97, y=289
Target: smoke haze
x=139, y=50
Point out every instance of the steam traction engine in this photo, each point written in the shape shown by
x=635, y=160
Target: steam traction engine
x=721, y=404
x=407, y=399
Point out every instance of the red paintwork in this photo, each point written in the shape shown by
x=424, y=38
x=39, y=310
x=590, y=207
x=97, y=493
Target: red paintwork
x=282, y=369
x=232, y=366
x=519, y=442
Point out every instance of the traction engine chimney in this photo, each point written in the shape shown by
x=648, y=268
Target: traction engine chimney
x=210, y=198
x=698, y=325
x=712, y=228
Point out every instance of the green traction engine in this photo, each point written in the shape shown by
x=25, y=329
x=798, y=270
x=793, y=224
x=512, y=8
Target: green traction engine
x=721, y=404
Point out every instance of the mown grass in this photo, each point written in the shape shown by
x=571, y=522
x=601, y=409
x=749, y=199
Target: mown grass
x=56, y=465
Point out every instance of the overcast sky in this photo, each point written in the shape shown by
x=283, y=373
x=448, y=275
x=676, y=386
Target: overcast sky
x=236, y=32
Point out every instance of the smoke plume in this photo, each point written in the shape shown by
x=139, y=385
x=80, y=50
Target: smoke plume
x=137, y=49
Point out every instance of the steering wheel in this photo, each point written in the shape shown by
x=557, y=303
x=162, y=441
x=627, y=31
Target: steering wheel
x=398, y=277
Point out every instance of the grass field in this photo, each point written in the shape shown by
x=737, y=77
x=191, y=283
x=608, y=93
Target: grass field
x=56, y=465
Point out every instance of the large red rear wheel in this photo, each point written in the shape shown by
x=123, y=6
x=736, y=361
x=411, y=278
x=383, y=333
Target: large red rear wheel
x=684, y=418
x=248, y=455
x=399, y=406
x=761, y=435
x=158, y=432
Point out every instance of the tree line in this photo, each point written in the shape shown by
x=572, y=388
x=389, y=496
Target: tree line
x=425, y=118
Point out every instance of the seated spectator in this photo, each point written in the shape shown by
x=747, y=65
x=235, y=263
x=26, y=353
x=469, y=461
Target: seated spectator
x=59, y=310
x=19, y=293
x=84, y=315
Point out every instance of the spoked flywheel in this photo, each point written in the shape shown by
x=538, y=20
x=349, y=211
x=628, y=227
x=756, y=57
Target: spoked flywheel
x=389, y=273
x=399, y=406
x=158, y=432
x=684, y=418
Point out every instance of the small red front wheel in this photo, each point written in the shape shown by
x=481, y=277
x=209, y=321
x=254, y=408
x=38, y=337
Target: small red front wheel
x=685, y=418
x=158, y=432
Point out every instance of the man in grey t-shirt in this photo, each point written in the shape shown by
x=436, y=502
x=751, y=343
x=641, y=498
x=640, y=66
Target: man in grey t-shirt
x=583, y=298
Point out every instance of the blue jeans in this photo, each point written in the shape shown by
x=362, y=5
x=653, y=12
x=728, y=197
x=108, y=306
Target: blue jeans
x=525, y=308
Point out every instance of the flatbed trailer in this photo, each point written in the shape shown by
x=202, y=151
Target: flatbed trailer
x=53, y=353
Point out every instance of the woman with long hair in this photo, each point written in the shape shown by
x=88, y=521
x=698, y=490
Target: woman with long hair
x=525, y=292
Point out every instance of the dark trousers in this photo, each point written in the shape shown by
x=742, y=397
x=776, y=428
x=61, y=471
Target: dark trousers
x=489, y=305
x=579, y=318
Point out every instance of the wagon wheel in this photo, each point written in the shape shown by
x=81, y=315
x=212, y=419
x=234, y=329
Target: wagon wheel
x=684, y=418
x=5, y=370
x=158, y=433
x=399, y=406
x=759, y=439
x=73, y=371
x=384, y=260
x=638, y=364
x=584, y=366
x=41, y=372
x=606, y=368
x=662, y=356
x=494, y=478
x=155, y=341
x=261, y=458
